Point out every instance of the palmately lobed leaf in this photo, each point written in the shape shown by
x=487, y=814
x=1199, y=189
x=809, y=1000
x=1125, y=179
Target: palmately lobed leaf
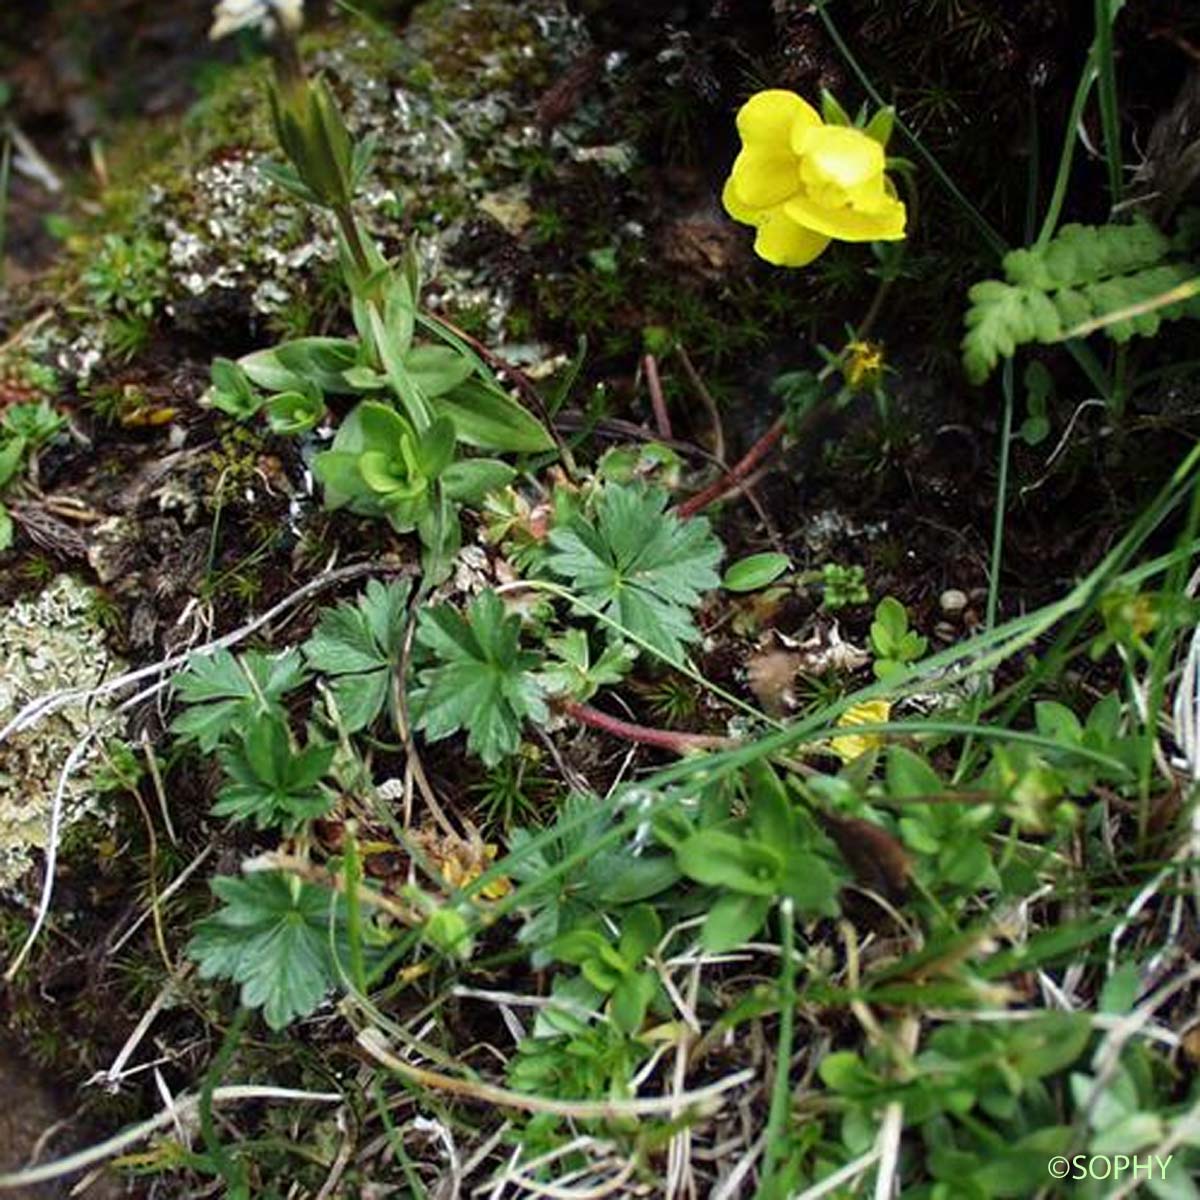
x=271, y=782
x=481, y=680
x=343, y=642
x=271, y=936
x=226, y=694
x=360, y=644
x=640, y=565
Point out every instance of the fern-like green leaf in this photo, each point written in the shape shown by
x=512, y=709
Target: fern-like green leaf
x=1084, y=274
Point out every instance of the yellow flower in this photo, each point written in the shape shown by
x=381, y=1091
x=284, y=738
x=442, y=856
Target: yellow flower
x=869, y=712
x=862, y=367
x=802, y=183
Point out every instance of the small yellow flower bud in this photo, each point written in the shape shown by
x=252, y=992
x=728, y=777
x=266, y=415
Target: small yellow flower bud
x=870, y=712
x=862, y=365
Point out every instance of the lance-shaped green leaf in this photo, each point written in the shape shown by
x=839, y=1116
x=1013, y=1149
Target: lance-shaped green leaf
x=469, y=480
x=309, y=127
x=437, y=370
x=486, y=417
x=301, y=363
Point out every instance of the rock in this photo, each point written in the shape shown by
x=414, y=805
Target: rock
x=952, y=601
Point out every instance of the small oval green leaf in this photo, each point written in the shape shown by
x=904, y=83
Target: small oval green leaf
x=756, y=571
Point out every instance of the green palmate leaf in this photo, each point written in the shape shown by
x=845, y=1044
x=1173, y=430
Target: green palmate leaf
x=480, y=680
x=360, y=645
x=269, y=781
x=6, y=528
x=226, y=694
x=488, y=418
x=271, y=936
x=571, y=672
x=640, y=565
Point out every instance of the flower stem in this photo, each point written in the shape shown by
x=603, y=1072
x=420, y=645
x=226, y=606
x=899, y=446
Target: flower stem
x=657, y=401
x=350, y=231
x=781, y=1092
x=644, y=735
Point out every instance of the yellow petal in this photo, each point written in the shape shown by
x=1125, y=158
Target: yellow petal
x=870, y=712
x=869, y=197
x=762, y=178
x=847, y=224
x=784, y=243
x=738, y=210
x=837, y=154
x=767, y=119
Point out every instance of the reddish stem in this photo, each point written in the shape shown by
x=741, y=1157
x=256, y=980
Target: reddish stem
x=736, y=474
x=657, y=401
x=643, y=735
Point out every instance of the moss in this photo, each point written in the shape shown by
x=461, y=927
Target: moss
x=484, y=46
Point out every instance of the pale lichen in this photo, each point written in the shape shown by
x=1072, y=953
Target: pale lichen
x=451, y=108
x=47, y=644
x=453, y=105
